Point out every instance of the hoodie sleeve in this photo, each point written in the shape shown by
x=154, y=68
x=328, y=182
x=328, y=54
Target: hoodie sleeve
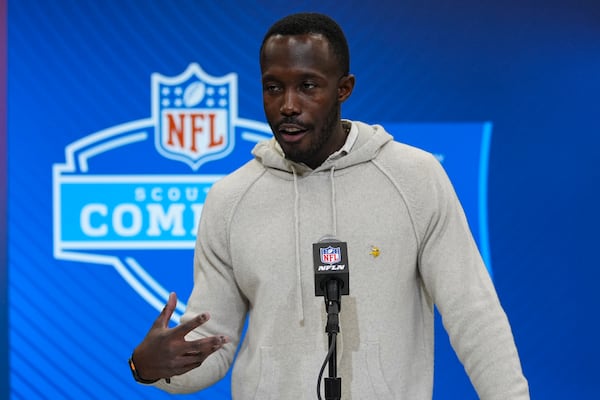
x=455, y=276
x=215, y=291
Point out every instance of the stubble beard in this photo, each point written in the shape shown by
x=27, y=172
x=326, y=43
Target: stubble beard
x=321, y=138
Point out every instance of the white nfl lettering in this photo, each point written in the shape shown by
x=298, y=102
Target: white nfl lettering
x=331, y=267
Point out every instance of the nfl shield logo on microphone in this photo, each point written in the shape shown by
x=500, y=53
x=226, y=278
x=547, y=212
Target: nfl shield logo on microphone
x=331, y=255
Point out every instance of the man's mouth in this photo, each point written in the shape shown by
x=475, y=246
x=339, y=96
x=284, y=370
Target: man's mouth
x=291, y=132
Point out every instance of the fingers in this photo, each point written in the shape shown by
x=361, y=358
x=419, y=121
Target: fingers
x=188, y=326
x=207, y=346
x=194, y=353
x=167, y=311
x=183, y=329
x=165, y=352
x=200, y=349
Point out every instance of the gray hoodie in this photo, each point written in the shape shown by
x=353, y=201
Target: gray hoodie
x=409, y=247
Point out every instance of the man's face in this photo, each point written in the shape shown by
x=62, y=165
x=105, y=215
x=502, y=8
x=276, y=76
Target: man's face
x=303, y=88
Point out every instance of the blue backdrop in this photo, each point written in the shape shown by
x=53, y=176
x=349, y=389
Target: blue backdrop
x=523, y=74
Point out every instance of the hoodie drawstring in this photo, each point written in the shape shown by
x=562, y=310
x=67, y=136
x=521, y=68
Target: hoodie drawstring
x=297, y=238
x=300, y=297
x=333, y=207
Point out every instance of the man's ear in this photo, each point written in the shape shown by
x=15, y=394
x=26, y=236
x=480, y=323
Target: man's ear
x=345, y=87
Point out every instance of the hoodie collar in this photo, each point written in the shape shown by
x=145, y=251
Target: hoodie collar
x=362, y=145
x=350, y=140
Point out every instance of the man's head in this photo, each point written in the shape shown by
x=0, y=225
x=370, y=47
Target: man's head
x=318, y=24
x=304, y=62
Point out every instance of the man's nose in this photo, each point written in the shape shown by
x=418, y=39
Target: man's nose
x=290, y=104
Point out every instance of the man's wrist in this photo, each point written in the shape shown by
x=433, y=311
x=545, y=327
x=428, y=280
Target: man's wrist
x=136, y=374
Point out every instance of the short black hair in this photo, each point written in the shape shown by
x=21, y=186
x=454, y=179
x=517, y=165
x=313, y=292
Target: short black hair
x=314, y=23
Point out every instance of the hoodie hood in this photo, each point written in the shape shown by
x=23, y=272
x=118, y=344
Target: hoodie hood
x=368, y=142
x=369, y=139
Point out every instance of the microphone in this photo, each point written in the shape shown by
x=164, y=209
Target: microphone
x=332, y=277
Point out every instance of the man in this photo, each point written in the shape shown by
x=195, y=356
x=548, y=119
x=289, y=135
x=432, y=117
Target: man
x=323, y=175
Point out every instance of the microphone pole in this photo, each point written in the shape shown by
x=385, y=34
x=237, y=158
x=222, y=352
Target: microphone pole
x=333, y=384
x=331, y=281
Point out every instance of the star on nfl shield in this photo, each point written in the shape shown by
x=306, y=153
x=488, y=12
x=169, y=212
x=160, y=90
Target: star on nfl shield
x=193, y=115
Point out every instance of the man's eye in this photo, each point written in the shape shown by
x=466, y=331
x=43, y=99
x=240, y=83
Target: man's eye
x=272, y=88
x=309, y=85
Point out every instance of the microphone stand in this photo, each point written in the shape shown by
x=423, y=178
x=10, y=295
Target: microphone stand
x=333, y=384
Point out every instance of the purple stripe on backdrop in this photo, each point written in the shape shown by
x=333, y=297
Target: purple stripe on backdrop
x=3, y=215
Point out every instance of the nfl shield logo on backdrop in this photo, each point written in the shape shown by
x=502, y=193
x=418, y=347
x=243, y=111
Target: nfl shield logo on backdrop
x=193, y=114
x=331, y=255
x=141, y=216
